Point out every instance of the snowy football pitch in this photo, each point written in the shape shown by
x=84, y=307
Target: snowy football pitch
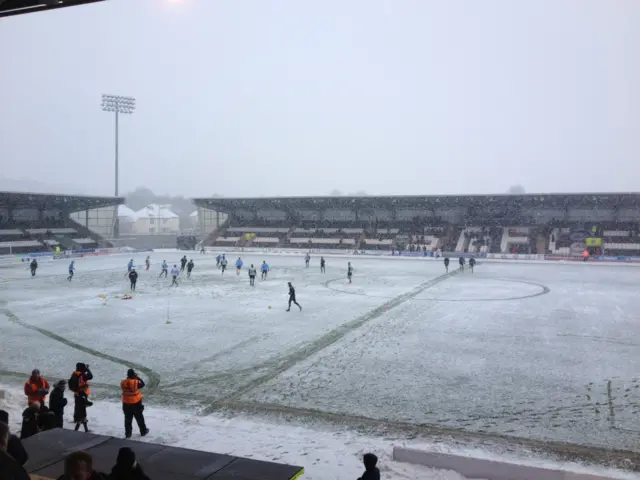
x=541, y=351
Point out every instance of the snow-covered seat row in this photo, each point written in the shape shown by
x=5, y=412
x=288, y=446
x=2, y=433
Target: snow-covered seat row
x=84, y=241
x=257, y=230
x=372, y=241
x=228, y=239
x=272, y=240
x=615, y=233
x=513, y=236
x=621, y=246
x=20, y=243
x=55, y=231
x=323, y=241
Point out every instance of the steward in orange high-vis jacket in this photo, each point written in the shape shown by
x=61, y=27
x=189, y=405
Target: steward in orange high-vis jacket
x=36, y=388
x=79, y=381
x=132, y=403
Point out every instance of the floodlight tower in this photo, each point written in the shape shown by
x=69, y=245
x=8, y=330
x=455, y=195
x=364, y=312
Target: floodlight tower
x=118, y=104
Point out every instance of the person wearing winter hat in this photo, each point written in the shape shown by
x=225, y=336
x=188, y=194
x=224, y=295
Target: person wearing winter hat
x=126, y=467
x=36, y=388
x=57, y=402
x=132, y=406
x=79, y=381
x=371, y=472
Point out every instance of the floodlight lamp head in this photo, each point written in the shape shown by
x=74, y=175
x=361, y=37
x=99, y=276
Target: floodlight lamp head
x=119, y=104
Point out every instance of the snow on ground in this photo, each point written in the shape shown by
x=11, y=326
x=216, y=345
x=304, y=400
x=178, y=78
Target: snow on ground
x=324, y=455
x=541, y=352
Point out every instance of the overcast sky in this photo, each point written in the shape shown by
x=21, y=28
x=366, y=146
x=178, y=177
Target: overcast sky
x=290, y=97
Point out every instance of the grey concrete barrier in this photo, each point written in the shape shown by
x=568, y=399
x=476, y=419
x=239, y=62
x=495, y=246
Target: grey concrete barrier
x=486, y=469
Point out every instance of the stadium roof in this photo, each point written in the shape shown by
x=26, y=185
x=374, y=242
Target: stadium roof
x=60, y=201
x=541, y=200
x=19, y=7
x=124, y=211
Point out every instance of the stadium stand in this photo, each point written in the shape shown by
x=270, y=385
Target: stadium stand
x=47, y=451
x=38, y=223
x=559, y=224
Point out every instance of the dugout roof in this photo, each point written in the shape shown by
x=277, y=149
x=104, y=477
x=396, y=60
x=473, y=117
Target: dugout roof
x=73, y=203
x=428, y=202
x=19, y=7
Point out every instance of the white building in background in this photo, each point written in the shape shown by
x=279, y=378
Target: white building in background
x=156, y=219
x=126, y=219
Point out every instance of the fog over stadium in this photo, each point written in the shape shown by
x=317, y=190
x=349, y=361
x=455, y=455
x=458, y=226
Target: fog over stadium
x=296, y=98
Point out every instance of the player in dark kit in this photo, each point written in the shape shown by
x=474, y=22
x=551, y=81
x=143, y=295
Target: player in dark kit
x=307, y=259
x=33, y=266
x=461, y=262
x=292, y=297
x=446, y=264
x=472, y=262
x=322, y=265
x=349, y=272
x=133, y=278
x=223, y=264
x=183, y=263
x=190, y=266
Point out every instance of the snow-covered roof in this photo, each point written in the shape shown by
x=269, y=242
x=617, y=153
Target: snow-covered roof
x=156, y=211
x=124, y=211
x=194, y=213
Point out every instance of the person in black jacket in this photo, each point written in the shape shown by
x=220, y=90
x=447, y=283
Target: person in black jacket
x=30, y=421
x=14, y=446
x=10, y=468
x=292, y=297
x=371, y=472
x=126, y=467
x=33, y=266
x=133, y=278
x=80, y=410
x=57, y=402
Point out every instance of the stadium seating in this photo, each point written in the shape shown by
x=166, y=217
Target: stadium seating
x=326, y=237
x=515, y=240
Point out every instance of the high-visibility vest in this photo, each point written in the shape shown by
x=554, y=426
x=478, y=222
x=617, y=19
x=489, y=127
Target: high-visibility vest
x=131, y=390
x=31, y=390
x=82, y=385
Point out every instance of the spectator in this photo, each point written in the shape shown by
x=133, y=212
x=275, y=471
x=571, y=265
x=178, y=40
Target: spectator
x=36, y=388
x=126, y=467
x=57, y=402
x=80, y=410
x=371, y=472
x=14, y=447
x=10, y=469
x=30, y=421
x=79, y=466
